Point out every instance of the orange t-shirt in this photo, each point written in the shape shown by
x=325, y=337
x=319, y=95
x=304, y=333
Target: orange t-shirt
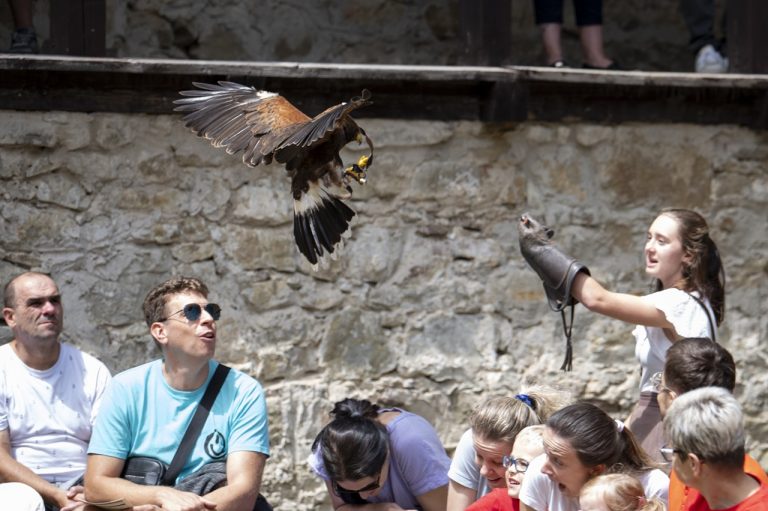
x=684, y=498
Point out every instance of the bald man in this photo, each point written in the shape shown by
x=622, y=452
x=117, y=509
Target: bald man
x=49, y=394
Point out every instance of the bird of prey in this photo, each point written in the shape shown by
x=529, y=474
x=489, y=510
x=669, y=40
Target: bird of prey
x=265, y=126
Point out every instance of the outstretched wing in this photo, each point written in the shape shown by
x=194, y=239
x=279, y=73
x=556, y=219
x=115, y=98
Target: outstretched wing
x=240, y=118
x=320, y=127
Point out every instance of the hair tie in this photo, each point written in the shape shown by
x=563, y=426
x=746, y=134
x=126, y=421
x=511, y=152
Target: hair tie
x=619, y=426
x=525, y=398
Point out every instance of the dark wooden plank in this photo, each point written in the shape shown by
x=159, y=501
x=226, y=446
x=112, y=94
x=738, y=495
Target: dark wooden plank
x=485, y=27
x=66, y=27
x=747, y=36
x=94, y=28
x=78, y=27
x=399, y=92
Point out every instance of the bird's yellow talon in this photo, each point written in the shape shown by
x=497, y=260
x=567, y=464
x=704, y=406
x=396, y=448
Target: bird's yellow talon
x=356, y=172
x=363, y=162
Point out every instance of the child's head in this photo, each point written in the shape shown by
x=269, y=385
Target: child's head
x=616, y=492
x=528, y=444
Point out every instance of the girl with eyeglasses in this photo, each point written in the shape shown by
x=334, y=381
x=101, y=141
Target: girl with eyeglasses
x=528, y=445
x=582, y=442
x=476, y=467
x=371, y=456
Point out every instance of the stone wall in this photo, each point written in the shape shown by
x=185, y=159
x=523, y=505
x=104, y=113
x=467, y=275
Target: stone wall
x=431, y=306
x=641, y=34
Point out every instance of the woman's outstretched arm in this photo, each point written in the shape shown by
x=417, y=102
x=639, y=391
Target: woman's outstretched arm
x=630, y=308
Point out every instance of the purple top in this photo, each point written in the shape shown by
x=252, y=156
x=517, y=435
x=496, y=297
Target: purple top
x=418, y=462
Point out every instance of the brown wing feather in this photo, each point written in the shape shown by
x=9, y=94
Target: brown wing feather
x=240, y=118
x=320, y=127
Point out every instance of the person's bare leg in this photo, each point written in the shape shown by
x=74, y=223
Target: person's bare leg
x=22, y=12
x=591, y=37
x=550, y=37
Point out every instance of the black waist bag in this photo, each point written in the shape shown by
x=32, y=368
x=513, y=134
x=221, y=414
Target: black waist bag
x=143, y=470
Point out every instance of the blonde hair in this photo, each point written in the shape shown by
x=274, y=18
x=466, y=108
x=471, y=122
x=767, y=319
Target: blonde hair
x=500, y=419
x=621, y=492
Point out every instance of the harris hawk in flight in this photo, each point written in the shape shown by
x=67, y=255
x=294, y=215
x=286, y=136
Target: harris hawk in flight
x=265, y=126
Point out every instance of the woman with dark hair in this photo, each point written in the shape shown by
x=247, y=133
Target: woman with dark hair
x=581, y=442
x=380, y=459
x=689, y=301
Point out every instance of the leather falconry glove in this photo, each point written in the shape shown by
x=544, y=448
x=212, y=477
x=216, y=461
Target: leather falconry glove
x=556, y=269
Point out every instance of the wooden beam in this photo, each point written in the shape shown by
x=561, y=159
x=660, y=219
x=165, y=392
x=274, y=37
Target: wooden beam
x=487, y=94
x=78, y=27
x=485, y=27
x=747, y=36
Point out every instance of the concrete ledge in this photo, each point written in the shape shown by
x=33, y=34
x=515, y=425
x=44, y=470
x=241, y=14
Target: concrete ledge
x=491, y=94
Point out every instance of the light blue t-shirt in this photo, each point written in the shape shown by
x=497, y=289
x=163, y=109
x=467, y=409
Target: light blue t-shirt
x=141, y=415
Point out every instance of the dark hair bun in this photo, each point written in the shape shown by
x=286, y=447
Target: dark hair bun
x=354, y=409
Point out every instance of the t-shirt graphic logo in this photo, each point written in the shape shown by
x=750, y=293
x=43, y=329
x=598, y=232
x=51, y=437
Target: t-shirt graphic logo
x=215, y=445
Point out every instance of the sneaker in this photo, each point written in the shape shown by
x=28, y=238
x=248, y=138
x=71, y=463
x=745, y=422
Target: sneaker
x=23, y=40
x=709, y=60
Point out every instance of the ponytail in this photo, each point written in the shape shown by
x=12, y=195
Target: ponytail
x=354, y=444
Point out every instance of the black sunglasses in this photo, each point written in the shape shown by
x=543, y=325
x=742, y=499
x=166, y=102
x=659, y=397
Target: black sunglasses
x=193, y=311
x=339, y=491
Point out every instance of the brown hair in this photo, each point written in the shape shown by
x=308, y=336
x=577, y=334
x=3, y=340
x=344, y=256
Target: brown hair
x=500, y=419
x=705, y=272
x=698, y=362
x=598, y=439
x=154, y=303
x=622, y=492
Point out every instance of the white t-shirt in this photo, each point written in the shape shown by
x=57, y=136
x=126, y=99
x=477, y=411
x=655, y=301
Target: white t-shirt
x=689, y=320
x=541, y=493
x=464, y=470
x=50, y=413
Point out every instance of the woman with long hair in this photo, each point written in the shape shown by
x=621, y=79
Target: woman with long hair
x=374, y=458
x=688, y=300
x=582, y=442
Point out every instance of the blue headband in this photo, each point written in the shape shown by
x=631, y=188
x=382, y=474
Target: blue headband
x=525, y=398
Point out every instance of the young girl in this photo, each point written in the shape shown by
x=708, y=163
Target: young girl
x=616, y=492
x=528, y=445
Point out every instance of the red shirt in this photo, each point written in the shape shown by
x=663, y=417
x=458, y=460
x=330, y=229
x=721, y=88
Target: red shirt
x=497, y=500
x=684, y=498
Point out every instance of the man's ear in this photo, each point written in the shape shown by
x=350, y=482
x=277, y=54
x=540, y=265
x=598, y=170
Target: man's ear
x=697, y=464
x=8, y=316
x=157, y=330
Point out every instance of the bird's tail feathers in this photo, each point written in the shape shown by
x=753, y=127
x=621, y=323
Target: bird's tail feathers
x=320, y=221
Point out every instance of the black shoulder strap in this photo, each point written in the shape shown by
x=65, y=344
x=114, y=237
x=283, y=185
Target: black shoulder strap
x=709, y=316
x=195, y=425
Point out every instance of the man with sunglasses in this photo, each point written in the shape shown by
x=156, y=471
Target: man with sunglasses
x=147, y=410
x=691, y=364
x=50, y=393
